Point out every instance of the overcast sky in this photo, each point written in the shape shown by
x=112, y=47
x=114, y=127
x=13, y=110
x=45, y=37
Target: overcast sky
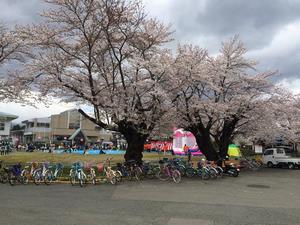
x=270, y=30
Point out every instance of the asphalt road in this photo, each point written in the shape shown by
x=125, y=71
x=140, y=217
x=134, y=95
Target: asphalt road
x=266, y=197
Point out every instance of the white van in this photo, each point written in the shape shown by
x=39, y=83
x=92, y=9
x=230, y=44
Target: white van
x=278, y=157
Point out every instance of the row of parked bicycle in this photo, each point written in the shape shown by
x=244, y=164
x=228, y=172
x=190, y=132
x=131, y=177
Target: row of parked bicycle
x=83, y=173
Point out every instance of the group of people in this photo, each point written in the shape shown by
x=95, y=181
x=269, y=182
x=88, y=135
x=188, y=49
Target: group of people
x=5, y=148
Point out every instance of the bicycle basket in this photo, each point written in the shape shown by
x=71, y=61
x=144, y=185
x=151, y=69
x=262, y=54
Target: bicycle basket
x=46, y=165
x=34, y=165
x=100, y=167
x=88, y=166
x=77, y=165
x=17, y=169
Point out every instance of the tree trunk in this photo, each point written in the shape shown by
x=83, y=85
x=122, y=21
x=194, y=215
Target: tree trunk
x=226, y=136
x=136, y=137
x=204, y=142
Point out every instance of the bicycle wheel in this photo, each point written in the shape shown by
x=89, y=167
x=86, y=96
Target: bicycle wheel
x=12, y=179
x=26, y=173
x=94, y=180
x=181, y=169
x=37, y=178
x=58, y=175
x=162, y=176
x=4, y=178
x=176, y=176
x=220, y=171
x=212, y=173
x=111, y=177
x=118, y=175
x=81, y=182
x=82, y=179
x=190, y=172
x=72, y=178
x=24, y=179
x=93, y=177
x=203, y=173
x=156, y=171
x=113, y=180
x=150, y=173
x=48, y=177
x=138, y=173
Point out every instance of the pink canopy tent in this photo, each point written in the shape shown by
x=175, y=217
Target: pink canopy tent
x=181, y=138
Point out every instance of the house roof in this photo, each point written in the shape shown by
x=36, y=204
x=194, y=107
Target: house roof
x=76, y=133
x=38, y=120
x=7, y=116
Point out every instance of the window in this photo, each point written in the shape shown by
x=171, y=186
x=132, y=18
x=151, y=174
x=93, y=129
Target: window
x=2, y=126
x=47, y=125
x=279, y=151
x=74, y=125
x=269, y=152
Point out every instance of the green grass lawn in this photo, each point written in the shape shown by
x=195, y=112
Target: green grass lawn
x=66, y=158
x=25, y=158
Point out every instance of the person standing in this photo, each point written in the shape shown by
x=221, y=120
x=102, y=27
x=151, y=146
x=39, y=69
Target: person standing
x=185, y=149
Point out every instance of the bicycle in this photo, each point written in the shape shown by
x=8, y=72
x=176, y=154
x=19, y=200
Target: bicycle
x=77, y=175
x=4, y=173
x=168, y=171
x=30, y=173
x=91, y=175
x=42, y=174
x=201, y=170
x=213, y=172
x=180, y=165
x=54, y=176
x=149, y=170
x=134, y=171
x=16, y=174
x=111, y=175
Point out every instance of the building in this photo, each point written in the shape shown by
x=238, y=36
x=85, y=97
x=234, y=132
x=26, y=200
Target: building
x=68, y=127
x=5, y=125
x=37, y=130
x=17, y=134
x=71, y=127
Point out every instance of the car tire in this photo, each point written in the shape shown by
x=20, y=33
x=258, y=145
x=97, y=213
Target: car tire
x=270, y=165
x=291, y=166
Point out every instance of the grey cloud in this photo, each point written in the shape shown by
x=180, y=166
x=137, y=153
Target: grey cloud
x=20, y=11
x=257, y=21
x=208, y=22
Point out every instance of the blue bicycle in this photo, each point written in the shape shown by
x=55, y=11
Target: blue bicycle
x=77, y=174
x=16, y=174
x=54, y=176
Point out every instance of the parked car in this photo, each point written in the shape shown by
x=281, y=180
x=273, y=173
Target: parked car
x=278, y=157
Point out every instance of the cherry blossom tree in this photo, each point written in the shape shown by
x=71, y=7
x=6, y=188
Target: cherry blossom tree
x=12, y=50
x=218, y=94
x=109, y=55
x=279, y=120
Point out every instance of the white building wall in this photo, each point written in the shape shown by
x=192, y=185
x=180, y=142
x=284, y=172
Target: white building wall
x=5, y=132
